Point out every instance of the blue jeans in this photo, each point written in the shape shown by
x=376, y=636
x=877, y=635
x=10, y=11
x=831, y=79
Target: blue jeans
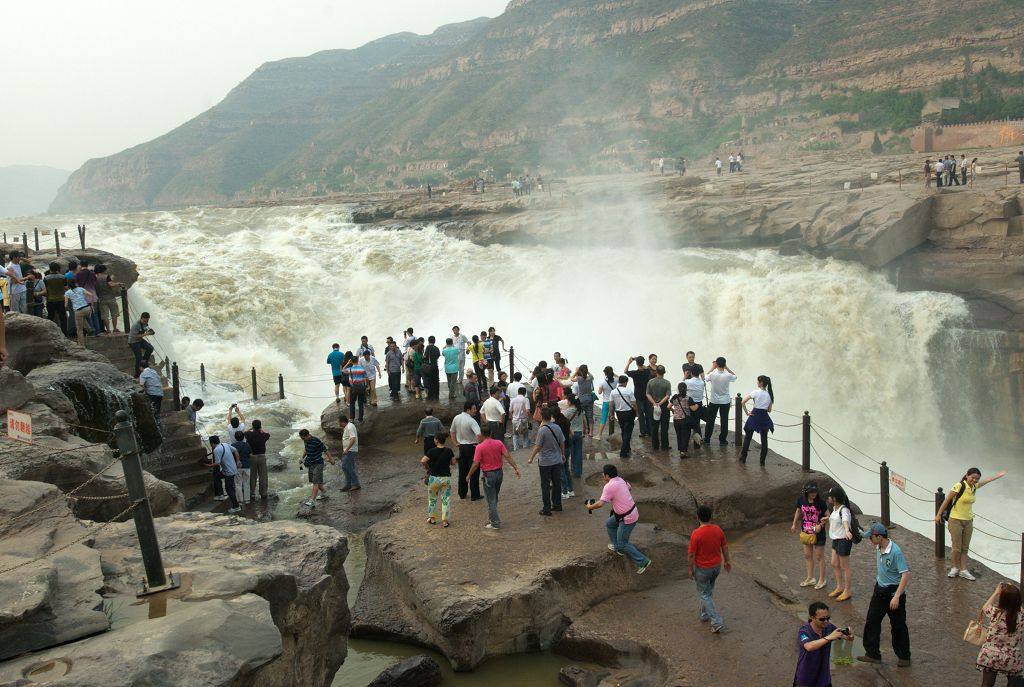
x=492, y=485
x=618, y=533
x=348, y=467
x=576, y=454
x=705, y=578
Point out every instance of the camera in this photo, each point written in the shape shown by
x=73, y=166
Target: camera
x=846, y=631
x=150, y=331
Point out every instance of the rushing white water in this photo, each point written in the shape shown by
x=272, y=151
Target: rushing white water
x=274, y=287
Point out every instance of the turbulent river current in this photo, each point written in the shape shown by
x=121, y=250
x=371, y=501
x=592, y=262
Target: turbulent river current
x=275, y=287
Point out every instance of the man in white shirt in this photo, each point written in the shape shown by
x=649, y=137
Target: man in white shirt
x=624, y=403
x=349, y=451
x=17, y=291
x=466, y=431
x=718, y=165
x=372, y=373
x=153, y=387
x=493, y=412
x=695, y=390
x=939, y=168
x=519, y=406
x=719, y=399
x=460, y=342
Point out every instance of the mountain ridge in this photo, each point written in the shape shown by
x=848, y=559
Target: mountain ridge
x=565, y=85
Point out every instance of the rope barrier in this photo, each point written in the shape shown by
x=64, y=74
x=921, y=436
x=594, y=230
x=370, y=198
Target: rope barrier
x=989, y=560
x=88, y=535
x=832, y=473
x=839, y=453
x=909, y=515
x=995, y=536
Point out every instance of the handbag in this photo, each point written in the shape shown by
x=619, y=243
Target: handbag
x=975, y=633
x=808, y=538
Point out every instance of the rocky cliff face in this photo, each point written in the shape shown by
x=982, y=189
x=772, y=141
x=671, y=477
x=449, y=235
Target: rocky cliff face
x=567, y=84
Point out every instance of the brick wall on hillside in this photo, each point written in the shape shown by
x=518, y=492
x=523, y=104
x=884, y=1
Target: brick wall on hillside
x=928, y=139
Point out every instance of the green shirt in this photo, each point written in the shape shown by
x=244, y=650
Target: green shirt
x=659, y=388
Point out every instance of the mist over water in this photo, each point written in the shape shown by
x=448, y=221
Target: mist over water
x=275, y=287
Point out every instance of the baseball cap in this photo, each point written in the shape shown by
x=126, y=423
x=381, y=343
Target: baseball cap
x=878, y=529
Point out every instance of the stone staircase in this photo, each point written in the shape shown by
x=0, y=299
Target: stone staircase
x=177, y=459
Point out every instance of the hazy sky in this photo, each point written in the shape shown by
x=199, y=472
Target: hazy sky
x=88, y=79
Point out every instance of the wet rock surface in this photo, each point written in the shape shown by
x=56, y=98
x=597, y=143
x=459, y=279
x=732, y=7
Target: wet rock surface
x=418, y=671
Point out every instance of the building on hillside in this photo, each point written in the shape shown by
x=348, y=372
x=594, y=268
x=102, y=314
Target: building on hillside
x=932, y=110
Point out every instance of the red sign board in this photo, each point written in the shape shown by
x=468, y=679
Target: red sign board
x=898, y=481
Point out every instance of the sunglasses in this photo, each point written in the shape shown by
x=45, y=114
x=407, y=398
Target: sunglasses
x=825, y=619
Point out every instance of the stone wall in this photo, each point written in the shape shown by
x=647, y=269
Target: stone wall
x=927, y=139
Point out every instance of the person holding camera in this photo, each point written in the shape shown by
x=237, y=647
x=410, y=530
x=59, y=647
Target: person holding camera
x=137, y=342
x=889, y=598
x=816, y=637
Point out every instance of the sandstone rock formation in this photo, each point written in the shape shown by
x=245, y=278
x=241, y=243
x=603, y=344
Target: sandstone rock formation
x=259, y=605
x=418, y=671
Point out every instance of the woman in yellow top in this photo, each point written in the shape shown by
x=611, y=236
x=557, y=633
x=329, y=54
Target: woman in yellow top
x=961, y=517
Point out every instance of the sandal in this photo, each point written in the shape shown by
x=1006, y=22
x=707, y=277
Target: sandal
x=808, y=582
x=431, y=521
x=446, y=523
x=845, y=596
x=835, y=592
x=821, y=585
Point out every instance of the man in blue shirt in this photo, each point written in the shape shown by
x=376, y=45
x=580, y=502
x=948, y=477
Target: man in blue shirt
x=889, y=598
x=815, y=638
x=334, y=359
x=451, y=366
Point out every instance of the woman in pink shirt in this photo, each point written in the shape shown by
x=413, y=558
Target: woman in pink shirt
x=623, y=519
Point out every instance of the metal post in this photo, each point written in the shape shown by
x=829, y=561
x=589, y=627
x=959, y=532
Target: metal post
x=805, y=444
x=56, y=241
x=202, y=375
x=24, y=241
x=81, y=235
x=511, y=362
x=280, y=385
x=940, y=531
x=36, y=230
x=1021, y=580
x=900, y=172
x=883, y=489
x=254, y=393
x=176, y=385
x=124, y=310
x=144, y=528
x=738, y=421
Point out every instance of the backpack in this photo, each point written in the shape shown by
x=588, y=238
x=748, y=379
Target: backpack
x=858, y=537
x=949, y=509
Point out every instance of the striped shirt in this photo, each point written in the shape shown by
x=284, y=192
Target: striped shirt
x=357, y=374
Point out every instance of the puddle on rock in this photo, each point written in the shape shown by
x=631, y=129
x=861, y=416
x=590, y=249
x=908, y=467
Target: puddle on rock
x=42, y=673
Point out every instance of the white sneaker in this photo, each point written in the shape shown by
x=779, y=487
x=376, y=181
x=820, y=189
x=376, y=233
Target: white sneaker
x=953, y=572
x=611, y=547
x=570, y=494
x=489, y=526
x=966, y=574
x=309, y=504
x=235, y=510
x=222, y=497
x=321, y=497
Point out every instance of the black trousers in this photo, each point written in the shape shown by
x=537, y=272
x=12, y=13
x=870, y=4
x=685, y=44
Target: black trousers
x=938, y=179
x=155, y=402
x=963, y=176
x=746, y=445
x=143, y=352
x=432, y=383
x=551, y=487
x=659, y=429
x=722, y=411
x=466, y=452
x=394, y=383
x=683, y=430
x=644, y=410
x=55, y=312
x=356, y=394
x=878, y=609
x=428, y=443
x=627, y=419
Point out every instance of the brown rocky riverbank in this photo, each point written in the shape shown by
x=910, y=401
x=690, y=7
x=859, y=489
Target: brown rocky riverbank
x=550, y=583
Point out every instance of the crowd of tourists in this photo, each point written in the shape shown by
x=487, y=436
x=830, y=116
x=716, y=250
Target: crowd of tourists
x=949, y=171
x=79, y=298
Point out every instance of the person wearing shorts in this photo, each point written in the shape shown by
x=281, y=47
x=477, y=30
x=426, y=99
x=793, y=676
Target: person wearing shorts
x=315, y=451
x=840, y=523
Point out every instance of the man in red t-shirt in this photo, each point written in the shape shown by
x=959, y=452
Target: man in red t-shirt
x=488, y=459
x=707, y=550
